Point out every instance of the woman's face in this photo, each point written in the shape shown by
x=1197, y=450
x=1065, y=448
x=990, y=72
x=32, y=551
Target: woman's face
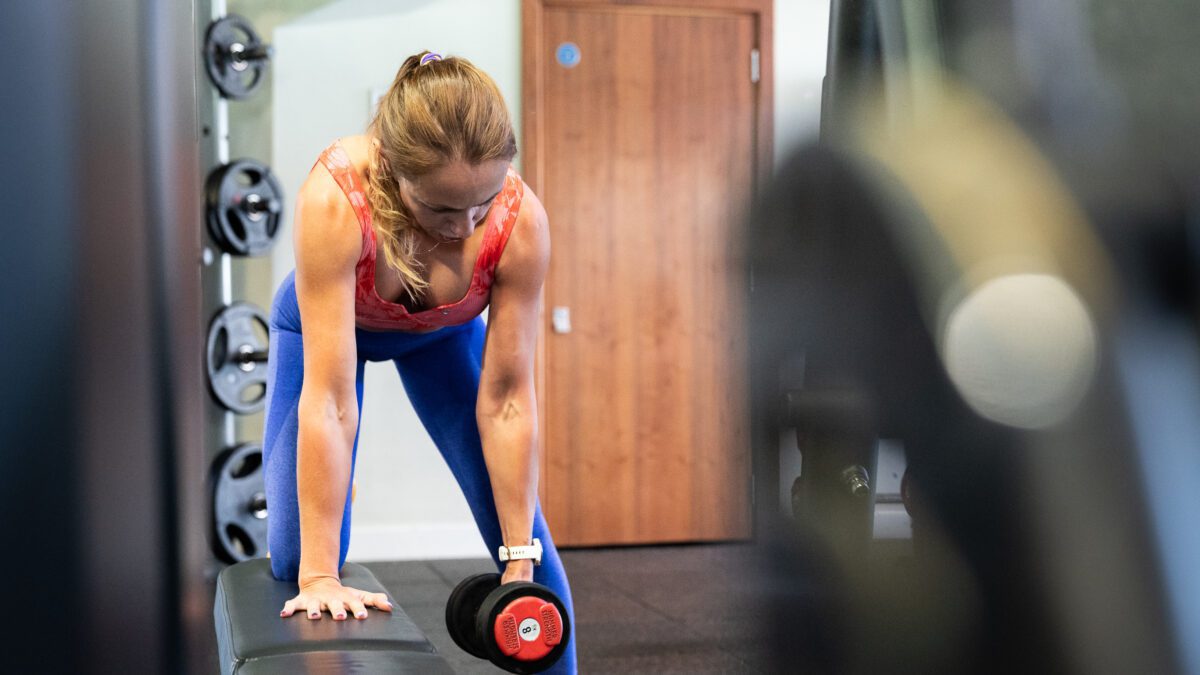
x=450, y=201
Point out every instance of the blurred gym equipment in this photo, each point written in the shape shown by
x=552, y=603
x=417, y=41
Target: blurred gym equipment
x=103, y=472
x=984, y=263
x=235, y=57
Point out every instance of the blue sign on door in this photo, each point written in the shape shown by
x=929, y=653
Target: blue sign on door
x=567, y=54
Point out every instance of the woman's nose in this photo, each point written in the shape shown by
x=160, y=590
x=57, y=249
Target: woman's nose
x=461, y=227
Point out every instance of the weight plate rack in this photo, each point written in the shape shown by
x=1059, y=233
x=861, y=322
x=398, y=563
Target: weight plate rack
x=243, y=212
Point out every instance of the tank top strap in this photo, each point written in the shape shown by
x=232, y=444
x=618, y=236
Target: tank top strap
x=512, y=195
x=337, y=162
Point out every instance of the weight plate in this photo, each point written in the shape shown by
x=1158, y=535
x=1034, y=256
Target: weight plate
x=243, y=201
x=462, y=607
x=239, y=504
x=494, y=606
x=235, y=57
x=236, y=357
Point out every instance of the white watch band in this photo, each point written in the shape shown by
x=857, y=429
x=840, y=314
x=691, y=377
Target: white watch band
x=533, y=552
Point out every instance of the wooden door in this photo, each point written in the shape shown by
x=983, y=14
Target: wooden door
x=645, y=154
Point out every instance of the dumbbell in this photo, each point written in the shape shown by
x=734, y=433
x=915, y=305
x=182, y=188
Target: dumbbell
x=520, y=626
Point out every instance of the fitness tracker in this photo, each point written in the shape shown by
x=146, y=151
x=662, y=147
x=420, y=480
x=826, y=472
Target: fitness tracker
x=533, y=552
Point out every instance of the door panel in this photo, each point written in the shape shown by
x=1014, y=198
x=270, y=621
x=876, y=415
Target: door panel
x=648, y=158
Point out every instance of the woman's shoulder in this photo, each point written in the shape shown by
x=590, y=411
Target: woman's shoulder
x=355, y=151
x=528, y=245
x=322, y=185
x=321, y=194
x=325, y=222
x=529, y=207
x=531, y=214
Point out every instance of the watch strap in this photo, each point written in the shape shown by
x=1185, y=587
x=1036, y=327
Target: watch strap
x=532, y=552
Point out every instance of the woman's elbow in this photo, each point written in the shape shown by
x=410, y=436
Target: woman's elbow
x=512, y=407
x=329, y=407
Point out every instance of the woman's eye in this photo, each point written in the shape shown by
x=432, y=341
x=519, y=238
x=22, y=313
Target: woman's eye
x=439, y=210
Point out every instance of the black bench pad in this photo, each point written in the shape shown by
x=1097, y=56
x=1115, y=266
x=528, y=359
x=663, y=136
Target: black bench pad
x=340, y=663
x=253, y=640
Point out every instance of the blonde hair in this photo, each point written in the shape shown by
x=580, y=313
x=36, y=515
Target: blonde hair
x=437, y=112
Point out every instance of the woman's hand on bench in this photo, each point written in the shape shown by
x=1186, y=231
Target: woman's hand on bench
x=328, y=594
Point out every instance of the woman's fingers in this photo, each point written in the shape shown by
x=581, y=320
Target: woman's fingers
x=359, y=609
x=358, y=601
x=378, y=601
x=340, y=604
x=336, y=609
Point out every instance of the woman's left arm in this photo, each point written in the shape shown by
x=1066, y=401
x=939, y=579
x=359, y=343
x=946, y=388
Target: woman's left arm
x=506, y=410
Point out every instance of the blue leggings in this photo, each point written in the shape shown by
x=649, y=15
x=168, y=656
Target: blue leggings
x=440, y=372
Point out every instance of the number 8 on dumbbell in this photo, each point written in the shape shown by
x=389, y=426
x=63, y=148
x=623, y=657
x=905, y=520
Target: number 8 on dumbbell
x=521, y=627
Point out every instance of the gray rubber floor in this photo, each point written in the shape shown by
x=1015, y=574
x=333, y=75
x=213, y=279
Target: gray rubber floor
x=663, y=609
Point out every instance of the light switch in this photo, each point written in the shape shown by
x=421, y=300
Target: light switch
x=560, y=319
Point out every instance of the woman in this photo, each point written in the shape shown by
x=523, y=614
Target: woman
x=403, y=236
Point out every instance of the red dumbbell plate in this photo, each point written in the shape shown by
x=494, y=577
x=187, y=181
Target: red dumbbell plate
x=527, y=626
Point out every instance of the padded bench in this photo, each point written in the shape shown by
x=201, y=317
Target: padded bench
x=253, y=640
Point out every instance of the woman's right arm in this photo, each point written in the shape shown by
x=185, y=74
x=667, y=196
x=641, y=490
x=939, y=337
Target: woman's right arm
x=328, y=243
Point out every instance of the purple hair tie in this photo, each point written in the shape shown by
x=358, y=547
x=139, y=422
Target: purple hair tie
x=431, y=56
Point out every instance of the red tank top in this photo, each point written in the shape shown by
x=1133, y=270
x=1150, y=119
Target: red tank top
x=373, y=312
